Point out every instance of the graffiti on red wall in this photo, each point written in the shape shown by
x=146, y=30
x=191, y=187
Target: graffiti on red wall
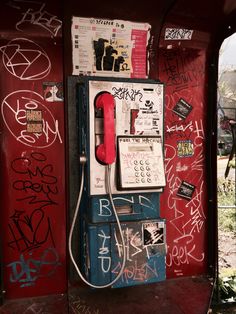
x=37, y=188
x=27, y=270
x=182, y=69
x=34, y=14
x=25, y=59
x=183, y=201
x=33, y=125
x=14, y=112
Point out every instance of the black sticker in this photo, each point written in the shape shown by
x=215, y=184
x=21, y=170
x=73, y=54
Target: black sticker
x=182, y=108
x=186, y=190
x=153, y=233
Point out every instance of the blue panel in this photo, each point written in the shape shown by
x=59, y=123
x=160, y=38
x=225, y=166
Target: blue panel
x=144, y=263
x=142, y=206
x=145, y=252
x=97, y=257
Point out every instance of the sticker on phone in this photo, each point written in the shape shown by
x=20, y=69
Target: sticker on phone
x=153, y=233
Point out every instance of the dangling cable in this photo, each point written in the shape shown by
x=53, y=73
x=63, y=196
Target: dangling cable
x=108, y=173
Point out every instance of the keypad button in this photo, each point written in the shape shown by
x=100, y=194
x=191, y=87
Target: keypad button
x=147, y=162
x=142, y=174
x=141, y=162
x=136, y=168
x=149, y=174
x=136, y=162
x=136, y=174
x=143, y=180
x=137, y=180
x=142, y=168
x=149, y=180
x=148, y=168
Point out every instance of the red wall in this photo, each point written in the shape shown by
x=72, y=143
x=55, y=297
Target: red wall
x=32, y=164
x=33, y=188
x=182, y=67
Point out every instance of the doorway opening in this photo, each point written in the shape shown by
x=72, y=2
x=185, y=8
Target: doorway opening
x=226, y=172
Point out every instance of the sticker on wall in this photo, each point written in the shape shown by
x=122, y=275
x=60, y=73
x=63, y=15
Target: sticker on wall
x=178, y=34
x=53, y=91
x=182, y=108
x=34, y=121
x=25, y=110
x=186, y=190
x=185, y=148
x=109, y=47
x=145, y=116
x=153, y=233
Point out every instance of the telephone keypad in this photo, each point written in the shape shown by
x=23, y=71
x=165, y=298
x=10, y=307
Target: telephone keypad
x=142, y=171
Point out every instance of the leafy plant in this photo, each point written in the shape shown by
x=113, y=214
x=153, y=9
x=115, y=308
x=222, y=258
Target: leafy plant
x=226, y=197
x=227, y=285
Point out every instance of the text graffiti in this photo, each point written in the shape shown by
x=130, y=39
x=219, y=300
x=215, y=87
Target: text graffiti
x=29, y=232
x=127, y=94
x=27, y=271
x=36, y=178
x=182, y=70
x=104, y=252
x=105, y=209
x=137, y=272
x=178, y=34
x=37, y=188
x=14, y=111
x=42, y=19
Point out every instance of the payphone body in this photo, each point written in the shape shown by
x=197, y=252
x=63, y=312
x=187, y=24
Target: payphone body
x=132, y=130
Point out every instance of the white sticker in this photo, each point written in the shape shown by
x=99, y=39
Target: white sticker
x=178, y=34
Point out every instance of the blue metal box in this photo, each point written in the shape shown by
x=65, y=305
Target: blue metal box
x=145, y=246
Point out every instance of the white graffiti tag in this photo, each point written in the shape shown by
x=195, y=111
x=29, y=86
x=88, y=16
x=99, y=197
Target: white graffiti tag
x=14, y=112
x=26, y=60
x=42, y=19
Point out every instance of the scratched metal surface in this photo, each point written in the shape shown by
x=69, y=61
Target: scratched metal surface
x=176, y=296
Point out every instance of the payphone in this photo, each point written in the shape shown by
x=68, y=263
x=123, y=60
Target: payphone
x=120, y=133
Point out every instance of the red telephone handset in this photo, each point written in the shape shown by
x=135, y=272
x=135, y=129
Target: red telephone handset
x=106, y=152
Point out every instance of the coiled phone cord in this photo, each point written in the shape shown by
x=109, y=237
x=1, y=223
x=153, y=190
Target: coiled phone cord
x=108, y=186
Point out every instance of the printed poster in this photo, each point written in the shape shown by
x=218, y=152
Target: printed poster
x=109, y=47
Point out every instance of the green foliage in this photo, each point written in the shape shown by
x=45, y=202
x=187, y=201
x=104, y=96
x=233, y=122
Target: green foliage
x=227, y=219
x=227, y=285
x=227, y=223
x=226, y=197
x=232, y=163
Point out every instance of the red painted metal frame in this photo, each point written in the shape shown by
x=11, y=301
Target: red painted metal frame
x=33, y=182
x=33, y=199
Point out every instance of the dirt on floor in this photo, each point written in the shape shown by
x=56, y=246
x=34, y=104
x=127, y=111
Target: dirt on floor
x=227, y=250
